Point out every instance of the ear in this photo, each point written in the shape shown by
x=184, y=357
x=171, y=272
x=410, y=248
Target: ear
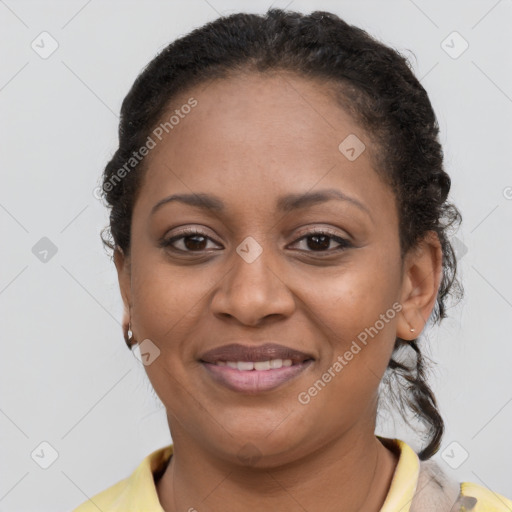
x=421, y=278
x=124, y=277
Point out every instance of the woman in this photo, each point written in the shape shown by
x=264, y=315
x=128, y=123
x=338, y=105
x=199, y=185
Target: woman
x=279, y=224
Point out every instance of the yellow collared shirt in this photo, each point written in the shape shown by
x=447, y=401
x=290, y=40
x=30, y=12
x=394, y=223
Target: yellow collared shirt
x=137, y=493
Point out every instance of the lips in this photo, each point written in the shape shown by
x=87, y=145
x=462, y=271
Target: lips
x=243, y=353
x=252, y=370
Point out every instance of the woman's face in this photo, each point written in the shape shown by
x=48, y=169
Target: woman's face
x=263, y=155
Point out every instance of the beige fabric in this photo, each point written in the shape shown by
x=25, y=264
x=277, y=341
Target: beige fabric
x=436, y=491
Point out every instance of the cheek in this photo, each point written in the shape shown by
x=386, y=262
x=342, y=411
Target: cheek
x=166, y=305
x=355, y=311
x=351, y=298
x=360, y=330
x=167, y=300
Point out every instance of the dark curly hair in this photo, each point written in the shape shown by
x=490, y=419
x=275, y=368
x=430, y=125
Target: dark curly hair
x=373, y=82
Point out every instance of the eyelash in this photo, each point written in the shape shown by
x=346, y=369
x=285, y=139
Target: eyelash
x=344, y=243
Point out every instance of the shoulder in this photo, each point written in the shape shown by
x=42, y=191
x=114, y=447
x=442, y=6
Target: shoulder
x=476, y=498
x=137, y=492
x=435, y=490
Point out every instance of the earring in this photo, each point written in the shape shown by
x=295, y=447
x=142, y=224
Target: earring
x=128, y=336
x=412, y=329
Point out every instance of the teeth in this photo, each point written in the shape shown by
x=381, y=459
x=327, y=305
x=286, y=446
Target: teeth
x=262, y=365
x=272, y=364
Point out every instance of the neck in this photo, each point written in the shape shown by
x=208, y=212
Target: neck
x=351, y=474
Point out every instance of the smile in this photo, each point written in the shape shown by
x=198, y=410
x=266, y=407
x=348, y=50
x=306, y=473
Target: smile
x=254, y=369
x=244, y=366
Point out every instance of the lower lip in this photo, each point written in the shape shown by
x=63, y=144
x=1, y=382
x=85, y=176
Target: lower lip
x=254, y=381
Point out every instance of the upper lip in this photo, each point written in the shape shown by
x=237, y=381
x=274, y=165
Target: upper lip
x=266, y=352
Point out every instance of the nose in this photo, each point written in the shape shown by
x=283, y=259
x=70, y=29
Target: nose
x=253, y=292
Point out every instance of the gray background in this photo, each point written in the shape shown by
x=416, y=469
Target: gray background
x=66, y=376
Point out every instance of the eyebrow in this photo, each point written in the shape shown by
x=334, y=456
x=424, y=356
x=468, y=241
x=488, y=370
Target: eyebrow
x=285, y=204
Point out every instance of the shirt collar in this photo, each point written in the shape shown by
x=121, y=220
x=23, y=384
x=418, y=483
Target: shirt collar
x=140, y=493
x=405, y=477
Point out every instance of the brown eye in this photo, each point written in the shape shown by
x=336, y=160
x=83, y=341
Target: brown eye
x=320, y=241
x=189, y=241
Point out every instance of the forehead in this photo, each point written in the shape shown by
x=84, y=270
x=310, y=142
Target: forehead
x=259, y=135
x=279, y=111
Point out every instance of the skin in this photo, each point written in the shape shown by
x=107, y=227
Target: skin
x=251, y=139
